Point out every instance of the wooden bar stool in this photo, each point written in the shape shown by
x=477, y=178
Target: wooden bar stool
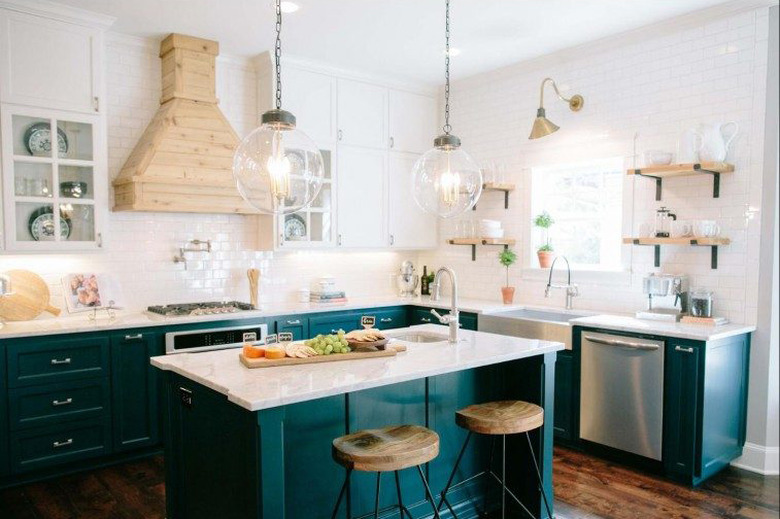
x=389, y=449
x=498, y=419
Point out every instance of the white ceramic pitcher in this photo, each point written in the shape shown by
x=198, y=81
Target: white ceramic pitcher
x=714, y=144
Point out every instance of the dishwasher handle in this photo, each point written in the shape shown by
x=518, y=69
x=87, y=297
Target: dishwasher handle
x=622, y=344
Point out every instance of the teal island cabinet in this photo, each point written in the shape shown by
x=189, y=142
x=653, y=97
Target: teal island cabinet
x=243, y=443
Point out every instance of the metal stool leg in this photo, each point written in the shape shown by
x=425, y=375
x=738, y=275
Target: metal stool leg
x=443, y=499
x=538, y=476
x=376, y=502
x=489, y=471
x=401, y=508
x=341, y=494
x=428, y=494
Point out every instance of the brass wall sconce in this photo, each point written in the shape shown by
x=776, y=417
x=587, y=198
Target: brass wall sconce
x=543, y=126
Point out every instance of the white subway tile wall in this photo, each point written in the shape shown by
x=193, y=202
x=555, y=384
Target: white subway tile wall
x=657, y=85
x=139, y=247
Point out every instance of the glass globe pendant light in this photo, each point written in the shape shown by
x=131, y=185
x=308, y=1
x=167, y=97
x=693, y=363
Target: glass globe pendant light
x=278, y=169
x=447, y=181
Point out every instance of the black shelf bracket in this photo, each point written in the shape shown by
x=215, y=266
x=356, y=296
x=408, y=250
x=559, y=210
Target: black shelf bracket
x=657, y=252
x=473, y=253
x=506, y=199
x=658, y=184
x=715, y=179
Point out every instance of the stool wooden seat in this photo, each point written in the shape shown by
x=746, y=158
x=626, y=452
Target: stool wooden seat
x=387, y=449
x=502, y=417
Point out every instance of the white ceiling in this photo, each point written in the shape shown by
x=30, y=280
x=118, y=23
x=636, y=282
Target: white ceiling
x=401, y=38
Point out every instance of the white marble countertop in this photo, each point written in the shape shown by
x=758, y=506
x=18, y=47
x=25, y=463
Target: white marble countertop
x=696, y=332
x=256, y=389
x=79, y=323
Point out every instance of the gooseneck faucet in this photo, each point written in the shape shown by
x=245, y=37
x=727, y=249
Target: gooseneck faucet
x=571, y=290
x=451, y=319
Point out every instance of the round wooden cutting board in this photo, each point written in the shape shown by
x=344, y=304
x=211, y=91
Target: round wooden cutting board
x=28, y=299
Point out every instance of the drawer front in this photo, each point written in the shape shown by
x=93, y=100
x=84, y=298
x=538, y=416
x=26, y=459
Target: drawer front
x=294, y=324
x=57, y=361
x=332, y=323
x=56, y=403
x=468, y=320
x=50, y=446
x=388, y=319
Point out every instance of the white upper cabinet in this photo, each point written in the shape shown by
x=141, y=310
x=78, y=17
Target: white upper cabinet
x=412, y=121
x=362, y=215
x=362, y=114
x=50, y=64
x=311, y=97
x=409, y=227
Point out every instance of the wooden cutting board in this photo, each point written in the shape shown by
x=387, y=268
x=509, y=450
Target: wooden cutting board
x=262, y=362
x=28, y=299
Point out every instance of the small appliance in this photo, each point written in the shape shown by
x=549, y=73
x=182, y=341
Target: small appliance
x=667, y=297
x=663, y=222
x=191, y=341
x=407, y=280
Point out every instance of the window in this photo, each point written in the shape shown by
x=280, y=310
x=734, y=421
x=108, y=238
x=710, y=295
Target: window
x=585, y=201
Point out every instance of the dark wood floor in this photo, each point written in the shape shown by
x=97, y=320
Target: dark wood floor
x=585, y=488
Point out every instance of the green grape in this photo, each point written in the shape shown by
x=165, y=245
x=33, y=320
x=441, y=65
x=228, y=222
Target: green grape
x=329, y=348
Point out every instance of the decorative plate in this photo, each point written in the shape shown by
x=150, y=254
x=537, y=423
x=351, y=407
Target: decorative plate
x=41, y=225
x=294, y=227
x=37, y=140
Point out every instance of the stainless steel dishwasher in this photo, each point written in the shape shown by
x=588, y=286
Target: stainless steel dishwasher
x=622, y=393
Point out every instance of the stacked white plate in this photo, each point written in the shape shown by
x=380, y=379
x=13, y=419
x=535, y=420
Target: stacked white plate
x=490, y=229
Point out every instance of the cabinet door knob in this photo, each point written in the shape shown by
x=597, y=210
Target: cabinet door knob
x=57, y=403
x=58, y=362
x=683, y=350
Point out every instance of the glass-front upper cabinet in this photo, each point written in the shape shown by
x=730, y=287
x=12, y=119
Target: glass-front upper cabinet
x=54, y=180
x=312, y=227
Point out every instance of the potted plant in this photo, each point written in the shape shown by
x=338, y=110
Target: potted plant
x=507, y=258
x=545, y=253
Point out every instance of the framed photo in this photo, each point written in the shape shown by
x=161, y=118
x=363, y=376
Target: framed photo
x=89, y=291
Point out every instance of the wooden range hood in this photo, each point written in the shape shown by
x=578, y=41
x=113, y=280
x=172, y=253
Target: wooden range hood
x=184, y=159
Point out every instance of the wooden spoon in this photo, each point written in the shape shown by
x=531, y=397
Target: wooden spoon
x=254, y=279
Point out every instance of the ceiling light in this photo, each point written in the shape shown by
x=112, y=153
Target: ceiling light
x=277, y=168
x=447, y=181
x=289, y=7
x=542, y=126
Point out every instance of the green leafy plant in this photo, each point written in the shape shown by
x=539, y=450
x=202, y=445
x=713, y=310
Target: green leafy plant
x=507, y=258
x=544, y=221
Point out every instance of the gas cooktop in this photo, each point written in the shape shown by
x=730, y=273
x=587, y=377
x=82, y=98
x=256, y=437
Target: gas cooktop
x=211, y=308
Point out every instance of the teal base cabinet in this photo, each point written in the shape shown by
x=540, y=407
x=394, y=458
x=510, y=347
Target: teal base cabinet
x=705, y=405
x=135, y=390
x=276, y=463
x=468, y=320
x=297, y=325
x=3, y=418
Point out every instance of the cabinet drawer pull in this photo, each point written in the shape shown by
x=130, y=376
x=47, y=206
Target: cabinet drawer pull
x=58, y=362
x=341, y=135
x=57, y=403
x=683, y=350
x=67, y=442
x=392, y=142
x=425, y=319
x=294, y=322
x=333, y=332
x=136, y=337
x=386, y=320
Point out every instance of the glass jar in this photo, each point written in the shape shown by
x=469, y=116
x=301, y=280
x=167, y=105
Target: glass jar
x=701, y=303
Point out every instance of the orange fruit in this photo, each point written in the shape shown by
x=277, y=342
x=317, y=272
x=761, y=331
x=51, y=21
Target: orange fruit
x=253, y=352
x=274, y=353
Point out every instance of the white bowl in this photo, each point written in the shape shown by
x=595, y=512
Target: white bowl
x=490, y=224
x=658, y=158
x=492, y=233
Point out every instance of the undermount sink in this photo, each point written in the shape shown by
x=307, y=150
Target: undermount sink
x=548, y=325
x=420, y=337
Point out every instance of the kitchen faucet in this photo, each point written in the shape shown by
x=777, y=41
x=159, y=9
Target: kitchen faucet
x=452, y=318
x=571, y=290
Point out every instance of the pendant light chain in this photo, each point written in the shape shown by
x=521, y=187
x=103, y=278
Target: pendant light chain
x=447, y=128
x=278, y=54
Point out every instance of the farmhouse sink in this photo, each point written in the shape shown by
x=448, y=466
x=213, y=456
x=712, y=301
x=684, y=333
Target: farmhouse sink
x=547, y=324
x=419, y=337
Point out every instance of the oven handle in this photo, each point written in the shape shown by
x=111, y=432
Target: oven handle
x=622, y=344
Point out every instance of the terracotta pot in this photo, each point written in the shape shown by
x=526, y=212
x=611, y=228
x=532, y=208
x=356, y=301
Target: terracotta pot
x=508, y=294
x=545, y=258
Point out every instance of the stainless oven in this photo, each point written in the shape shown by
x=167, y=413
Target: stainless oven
x=189, y=341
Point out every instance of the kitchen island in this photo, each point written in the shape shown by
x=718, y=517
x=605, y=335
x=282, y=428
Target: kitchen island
x=257, y=443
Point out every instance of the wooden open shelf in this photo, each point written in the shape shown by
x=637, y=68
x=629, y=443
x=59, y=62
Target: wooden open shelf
x=496, y=186
x=473, y=242
x=714, y=243
x=684, y=170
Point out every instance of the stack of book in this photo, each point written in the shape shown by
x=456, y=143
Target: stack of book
x=330, y=297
